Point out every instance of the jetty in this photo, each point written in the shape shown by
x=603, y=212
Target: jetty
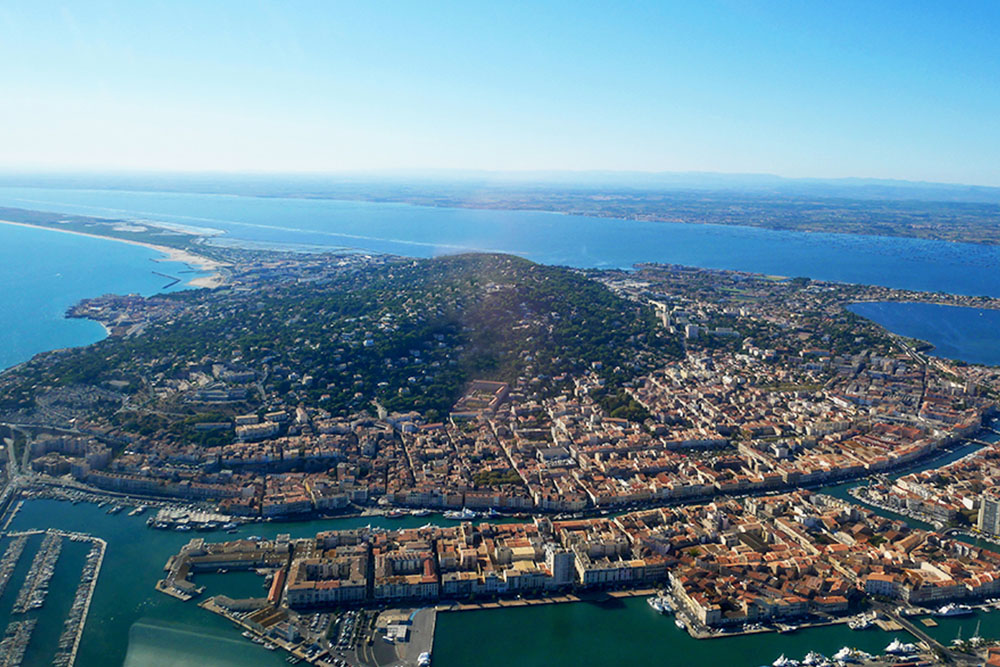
x=69, y=640
x=9, y=561
x=15, y=642
x=36, y=585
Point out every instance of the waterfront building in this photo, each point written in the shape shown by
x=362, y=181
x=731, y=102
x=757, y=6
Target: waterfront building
x=989, y=515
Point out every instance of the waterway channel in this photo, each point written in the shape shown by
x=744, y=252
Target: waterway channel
x=130, y=623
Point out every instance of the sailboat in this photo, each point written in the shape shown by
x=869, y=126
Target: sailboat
x=976, y=640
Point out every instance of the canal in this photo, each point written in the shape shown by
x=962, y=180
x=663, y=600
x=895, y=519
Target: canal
x=131, y=624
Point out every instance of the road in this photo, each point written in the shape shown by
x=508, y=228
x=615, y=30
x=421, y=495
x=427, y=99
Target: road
x=916, y=631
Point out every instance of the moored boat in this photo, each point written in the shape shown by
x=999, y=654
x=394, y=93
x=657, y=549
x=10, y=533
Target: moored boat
x=952, y=609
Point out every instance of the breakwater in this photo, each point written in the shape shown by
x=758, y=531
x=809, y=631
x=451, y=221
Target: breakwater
x=69, y=640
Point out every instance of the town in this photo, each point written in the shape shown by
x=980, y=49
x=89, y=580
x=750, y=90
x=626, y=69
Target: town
x=660, y=431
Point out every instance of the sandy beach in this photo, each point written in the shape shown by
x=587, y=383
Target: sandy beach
x=171, y=254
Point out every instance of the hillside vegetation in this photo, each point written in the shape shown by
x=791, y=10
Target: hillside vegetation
x=410, y=334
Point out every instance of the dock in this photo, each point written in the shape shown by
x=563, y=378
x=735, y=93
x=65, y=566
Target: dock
x=36, y=584
x=69, y=640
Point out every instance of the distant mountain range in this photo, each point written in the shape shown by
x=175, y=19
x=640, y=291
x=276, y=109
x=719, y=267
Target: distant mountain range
x=453, y=182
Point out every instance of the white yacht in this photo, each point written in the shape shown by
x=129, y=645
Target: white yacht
x=846, y=654
x=954, y=610
x=660, y=604
x=782, y=661
x=897, y=647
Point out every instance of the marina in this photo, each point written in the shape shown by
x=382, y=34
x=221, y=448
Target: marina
x=15, y=642
x=36, y=585
x=69, y=640
x=184, y=519
x=9, y=561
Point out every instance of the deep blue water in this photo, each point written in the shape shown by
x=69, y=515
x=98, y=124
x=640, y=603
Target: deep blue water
x=967, y=334
x=546, y=237
x=43, y=272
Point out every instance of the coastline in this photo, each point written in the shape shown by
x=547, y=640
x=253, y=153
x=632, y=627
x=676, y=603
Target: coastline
x=199, y=262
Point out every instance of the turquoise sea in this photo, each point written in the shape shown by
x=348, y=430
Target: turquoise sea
x=44, y=272
x=550, y=238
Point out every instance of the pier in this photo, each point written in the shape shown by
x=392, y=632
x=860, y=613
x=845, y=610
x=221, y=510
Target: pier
x=929, y=641
x=15, y=642
x=36, y=585
x=69, y=640
x=35, y=588
x=9, y=561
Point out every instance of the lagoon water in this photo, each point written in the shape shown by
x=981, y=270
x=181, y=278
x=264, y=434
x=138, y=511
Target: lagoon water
x=549, y=238
x=966, y=334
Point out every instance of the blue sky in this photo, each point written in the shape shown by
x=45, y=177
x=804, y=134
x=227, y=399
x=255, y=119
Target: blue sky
x=827, y=89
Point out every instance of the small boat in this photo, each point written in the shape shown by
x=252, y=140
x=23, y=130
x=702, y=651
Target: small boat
x=270, y=647
x=782, y=661
x=861, y=622
x=660, y=605
x=395, y=514
x=421, y=512
x=679, y=623
x=814, y=658
x=976, y=640
x=465, y=515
